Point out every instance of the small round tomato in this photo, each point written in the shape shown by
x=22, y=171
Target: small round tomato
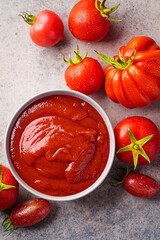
x=9, y=188
x=137, y=140
x=89, y=20
x=84, y=74
x=140, y=185
x=46, y=29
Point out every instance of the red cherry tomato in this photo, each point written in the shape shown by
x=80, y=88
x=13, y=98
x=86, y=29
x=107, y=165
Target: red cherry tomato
x=9, y=188
x=89, y=20
x=84, y=75
x=140, y=185
x=137, y=140
x=46, y=29
x=27, y=213
x=30, y=212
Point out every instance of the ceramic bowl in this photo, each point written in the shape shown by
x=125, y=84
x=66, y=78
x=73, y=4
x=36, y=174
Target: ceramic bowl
x=111, y=150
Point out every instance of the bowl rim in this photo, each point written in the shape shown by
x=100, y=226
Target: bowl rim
x=95, y=105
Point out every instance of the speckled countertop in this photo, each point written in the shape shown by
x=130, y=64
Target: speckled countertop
x=25, y=70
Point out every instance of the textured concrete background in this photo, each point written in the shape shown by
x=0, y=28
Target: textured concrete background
x=26, y=69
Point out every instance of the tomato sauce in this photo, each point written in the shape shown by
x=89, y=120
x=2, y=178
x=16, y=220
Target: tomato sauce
x=59, y=145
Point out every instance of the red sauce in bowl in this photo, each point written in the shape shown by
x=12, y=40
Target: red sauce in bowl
x=59, y=145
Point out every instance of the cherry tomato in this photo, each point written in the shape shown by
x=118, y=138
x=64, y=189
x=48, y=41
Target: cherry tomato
x=30, y=212
x=140, y=185
x=137, y=140
x=84, y=74
x=27, y=213
x=46, y=29
x=133, y=76
x=9, y=188
x=89, y=20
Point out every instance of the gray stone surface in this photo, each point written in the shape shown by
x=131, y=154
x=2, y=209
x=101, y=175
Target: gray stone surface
x=26, y=69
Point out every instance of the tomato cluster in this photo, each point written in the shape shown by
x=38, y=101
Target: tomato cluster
x=24, y=214
x=137, y=142
x=132, y=78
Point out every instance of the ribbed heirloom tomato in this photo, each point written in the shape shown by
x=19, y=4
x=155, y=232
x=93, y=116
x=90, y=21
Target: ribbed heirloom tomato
x=133, y=77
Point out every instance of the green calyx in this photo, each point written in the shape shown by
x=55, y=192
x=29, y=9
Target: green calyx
x=78, y=58
x=28, y=18
x=2, y=185
x=119, y=63
x=7, y=221
x=136, y=147
x=104, y=11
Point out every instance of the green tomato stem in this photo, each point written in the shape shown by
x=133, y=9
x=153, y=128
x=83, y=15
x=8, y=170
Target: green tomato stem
x=102, y=3
x=136, y=147
x=7, y=221
x=28, y=18
x=104, y=11
x=119, y=63
x=78, y=58
x=120, y=182
x=2, y=185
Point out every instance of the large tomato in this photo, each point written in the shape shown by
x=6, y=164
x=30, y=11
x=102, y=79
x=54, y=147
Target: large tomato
x=133, y=77
x=89, y=20
x=137, y=140
x=9, y=188
x=46, y=29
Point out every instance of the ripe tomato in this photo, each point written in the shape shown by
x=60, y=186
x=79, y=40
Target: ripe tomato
x=140, y=185
x=27, y=213
x=9, y=188
x=89, y=20
x=30, y=212
x=133, y=77
x=84, y=74
x=137, y=140
x=46, y=29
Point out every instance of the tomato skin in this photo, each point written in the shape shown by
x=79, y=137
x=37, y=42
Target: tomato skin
x=8, y=196
x=47, y=30
x=140, y=185
x=30, y=212
x=139, y=84
x=86, y=77
x=140, y=127
x=86, y=23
